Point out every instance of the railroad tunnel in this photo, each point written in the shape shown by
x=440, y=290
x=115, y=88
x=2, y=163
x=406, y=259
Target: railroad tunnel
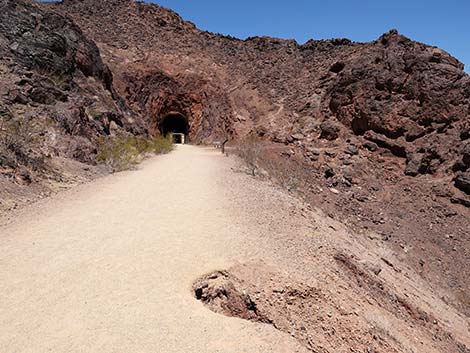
x=177, y=124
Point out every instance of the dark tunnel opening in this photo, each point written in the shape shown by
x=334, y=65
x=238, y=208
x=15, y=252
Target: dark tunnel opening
x=174, y=123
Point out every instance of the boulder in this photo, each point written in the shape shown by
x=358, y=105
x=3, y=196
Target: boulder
x=47, y=94
x=460, y=201
x=329, y=172
x=462, y=182
x=397, y=147
x=413, y=164
x=425, y=161
x=466, y=155
x=337, y=67
x=465, y=133
x=330, y=130
x=352, y=150
x=298, y=136
x=371, y=146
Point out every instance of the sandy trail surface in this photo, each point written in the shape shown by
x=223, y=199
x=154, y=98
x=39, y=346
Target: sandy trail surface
x=109, y=266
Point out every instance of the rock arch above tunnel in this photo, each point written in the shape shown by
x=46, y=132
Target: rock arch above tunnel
x=174, y=123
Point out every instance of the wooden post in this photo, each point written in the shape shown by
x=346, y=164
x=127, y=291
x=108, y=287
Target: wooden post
x=223, y=146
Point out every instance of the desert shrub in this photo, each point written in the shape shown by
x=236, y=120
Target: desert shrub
x=249, y=149
x=59, y=78
x=287, y=173
x=64, y=121
x=18, y=140
x=122, y=153
x=160, y=145
x=262, y=159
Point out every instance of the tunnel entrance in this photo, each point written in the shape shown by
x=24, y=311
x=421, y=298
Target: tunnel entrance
x=177, y=126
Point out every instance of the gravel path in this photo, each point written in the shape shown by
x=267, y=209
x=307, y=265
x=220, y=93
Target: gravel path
x=108, y=266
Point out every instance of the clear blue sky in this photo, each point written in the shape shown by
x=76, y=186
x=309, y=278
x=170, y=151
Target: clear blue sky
x=445, y=24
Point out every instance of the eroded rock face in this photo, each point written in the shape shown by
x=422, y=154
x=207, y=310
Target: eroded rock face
x=49, y=42
x=155, y=95
x=53, y=80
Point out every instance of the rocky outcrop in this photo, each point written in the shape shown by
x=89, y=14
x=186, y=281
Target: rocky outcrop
x=462, y=181
x=54, y=82
x=49, y=43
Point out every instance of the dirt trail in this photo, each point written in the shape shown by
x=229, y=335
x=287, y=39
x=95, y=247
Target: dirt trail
x=108, y=266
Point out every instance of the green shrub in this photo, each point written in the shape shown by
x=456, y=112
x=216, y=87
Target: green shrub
x=160, y=145
x=122, y=153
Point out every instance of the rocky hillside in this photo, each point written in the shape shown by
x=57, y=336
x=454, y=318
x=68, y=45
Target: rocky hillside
x=57, y=102
x=380, y=130
x=408, y=98
x=57, y=95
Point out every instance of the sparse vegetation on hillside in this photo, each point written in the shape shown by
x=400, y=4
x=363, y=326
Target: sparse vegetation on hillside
x=18, y=140
x=121, y=153
x=262, y=159
x=249, y=149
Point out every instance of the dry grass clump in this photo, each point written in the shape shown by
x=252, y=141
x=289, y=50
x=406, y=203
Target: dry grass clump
x=263, y=160
x=18, y=142
x=249, y=149
x=124, y=152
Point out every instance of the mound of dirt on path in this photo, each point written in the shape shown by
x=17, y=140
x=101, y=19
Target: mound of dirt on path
x=318, y=317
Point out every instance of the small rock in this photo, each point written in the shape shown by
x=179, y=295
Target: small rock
x=348, y=175
x=413, y=164
x=361, y=197
x=352, y=150
x=347, y=161
x=14, y=46
x=314, y=151
x=330, y=130
x=337, y=67
x=371, y=146
x=297, y=137
x=331, y=154
x=113, y=127
x=462, y=182
x=329, y=172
